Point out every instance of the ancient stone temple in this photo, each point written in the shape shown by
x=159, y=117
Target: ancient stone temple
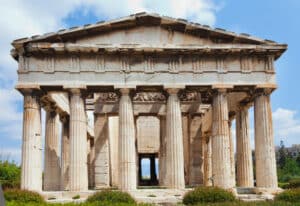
x=161, y=89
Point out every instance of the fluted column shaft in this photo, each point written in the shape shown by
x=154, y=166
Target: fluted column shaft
x=52, y=162
x=221, y=163
x=243, y=150
x=102, y=166
x=266, y=174
x=78, y=141
x=91, y=161
x=162, y=152
x=65, y=156
x=232, y=159
x=31, y=166
x=174, y=143
x=206, y=142
x=127, y=149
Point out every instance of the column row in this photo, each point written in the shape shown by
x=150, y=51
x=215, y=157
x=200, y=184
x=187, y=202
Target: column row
x=217, y=150
x=223, y=166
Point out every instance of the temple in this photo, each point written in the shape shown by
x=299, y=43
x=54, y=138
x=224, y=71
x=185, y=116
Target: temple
x=161, y=89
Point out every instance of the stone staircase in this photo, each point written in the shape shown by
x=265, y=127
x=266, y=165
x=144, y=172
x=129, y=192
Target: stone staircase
x=248, y=194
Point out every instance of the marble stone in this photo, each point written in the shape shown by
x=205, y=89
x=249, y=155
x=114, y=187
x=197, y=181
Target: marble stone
x=174, y=143
x=31, y=164
x=243, y=149
x=65, y=155
x=52, y=169
x=221, y=163
x=127, y=149
x=102, y=161
x=148, y=134
x=266, y=173
x=78, y=141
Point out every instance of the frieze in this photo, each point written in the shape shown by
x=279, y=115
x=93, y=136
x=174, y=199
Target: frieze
x=220, y=65
x=23, y=64
x=149, y=97
x=125, y=63
x=197, y=64
x=75, y=64
x=107, y=97
x=50, y=64
x=100, y=64
x=175, y=64
x=246, y=64
x=269, y=63
x=149, y=65
x=190, y=96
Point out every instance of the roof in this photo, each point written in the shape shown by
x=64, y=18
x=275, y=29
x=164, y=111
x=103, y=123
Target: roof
x=144, y=19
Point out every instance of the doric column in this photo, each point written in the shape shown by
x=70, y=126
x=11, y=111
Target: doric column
x=65, y=154
x=52, y=163
x=91, y=163
x=31, y=166
x=221, y=164
x=113, y=130
x=174, y=143
x=78, y=141
x=127, y=148
x=196, y=151
x=266, y=174
x=207, y=164
x=162, y=152
x=102, y=174
x=232, y=159
x=243, y=149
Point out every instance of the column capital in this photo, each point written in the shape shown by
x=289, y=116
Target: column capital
x=125, y=91
x=32, y=92
x=172, y=91
x=26, y=89
x=75, y=91
x=263, y=91
x=216, y=91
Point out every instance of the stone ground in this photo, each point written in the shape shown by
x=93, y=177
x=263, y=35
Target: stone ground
x=156, y=196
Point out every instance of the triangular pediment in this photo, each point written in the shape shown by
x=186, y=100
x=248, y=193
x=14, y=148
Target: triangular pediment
x=145, y=28
x=144, y=35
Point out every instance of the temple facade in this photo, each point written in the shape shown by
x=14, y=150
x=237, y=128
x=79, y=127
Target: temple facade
x=162, y=90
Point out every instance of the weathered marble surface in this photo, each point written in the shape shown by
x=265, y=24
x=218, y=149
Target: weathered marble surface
x=148, y=134
x=78, y=143
x=31, y=165
x=174, y=143
x=188, y=77
x=52, y=168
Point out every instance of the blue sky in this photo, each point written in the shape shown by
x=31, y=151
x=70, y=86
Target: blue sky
x=271, y=19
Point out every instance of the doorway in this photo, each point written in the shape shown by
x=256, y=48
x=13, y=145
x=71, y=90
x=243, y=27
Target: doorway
x=148, y=169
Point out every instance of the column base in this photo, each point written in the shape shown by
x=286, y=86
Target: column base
x=267, y=191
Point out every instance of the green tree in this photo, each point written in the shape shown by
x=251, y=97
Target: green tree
x=282, y=155
x=298, y=160
x=10, y=174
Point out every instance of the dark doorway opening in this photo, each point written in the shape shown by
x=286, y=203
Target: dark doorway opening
x=148, y=169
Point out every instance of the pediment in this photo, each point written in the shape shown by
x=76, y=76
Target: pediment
x=136, y=27
x=144, y=35
x=143, y=30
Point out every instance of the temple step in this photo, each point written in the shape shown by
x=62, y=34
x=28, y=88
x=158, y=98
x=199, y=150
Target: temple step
x=245, y=190
x=254, y=197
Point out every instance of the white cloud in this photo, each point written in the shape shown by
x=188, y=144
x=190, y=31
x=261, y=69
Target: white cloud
x=26, y=18
x=286, y=126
